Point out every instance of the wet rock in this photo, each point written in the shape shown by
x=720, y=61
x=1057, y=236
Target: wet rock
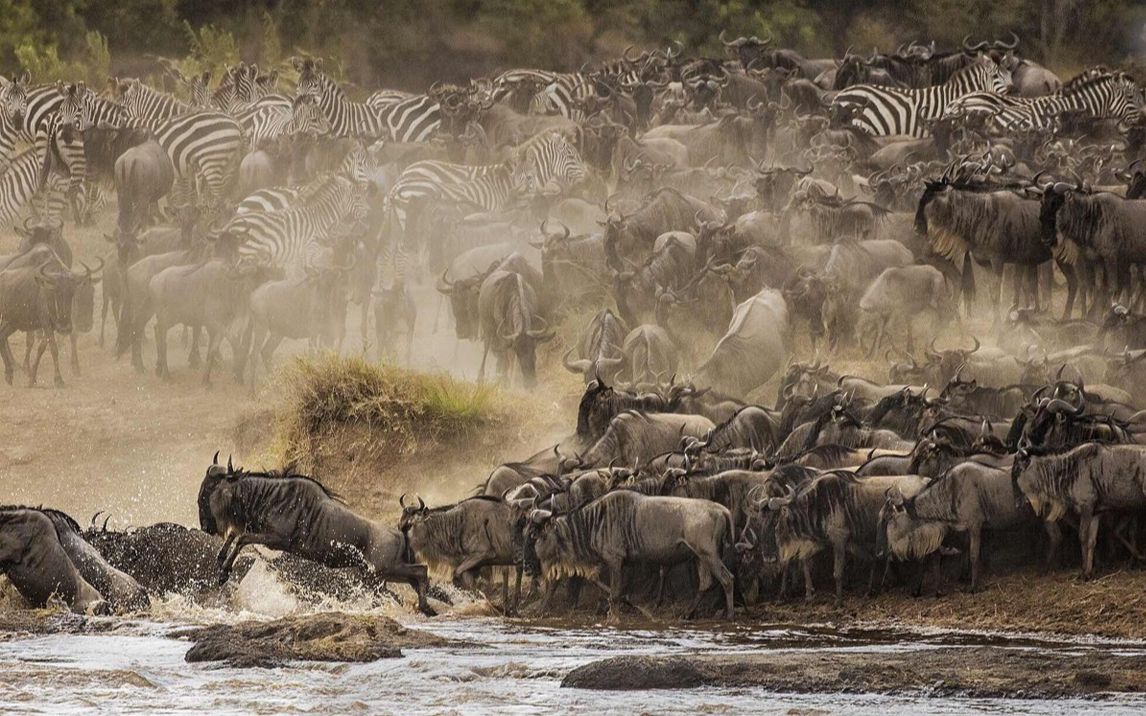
x=636, y=673
x=312, y=637
x=1092, y=679
x=166, y=557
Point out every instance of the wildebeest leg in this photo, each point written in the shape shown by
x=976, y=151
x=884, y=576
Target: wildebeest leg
x=471, y=562
x=809, y=589
x=937, y=572
x=1088, y=536
x=161, y=349
x=270, y=540
x=1054, y=538
x=29, y=343
x=996, y=291
x=518, y=569
x=6, y=353
x=75, y=354
x=616, y=590
x=839, y=557
x=214, y=337
x=975, y=538
x=711, y=566
x=481, y=368
x=967, y=285
x=193, y=355
x=1071, y=277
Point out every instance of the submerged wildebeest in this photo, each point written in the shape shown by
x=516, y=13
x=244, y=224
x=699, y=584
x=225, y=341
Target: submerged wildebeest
x=120, y=590
x=34, y=560
x=296, y=514
x=626, y=527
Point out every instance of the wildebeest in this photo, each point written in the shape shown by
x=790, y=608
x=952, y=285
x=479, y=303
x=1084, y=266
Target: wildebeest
x=34, y=560
x=600, y=352
x=143, y=175
x=836, y=510
x=511, y=326
x=649, y=356
x=45, y=300
x=635, y=438
x=120, y=590
x=1091, y=480
x=625, y=527
x=901, y=296
x=465, y=537
x=296, y=514
x=969, y=498
x=752, y=350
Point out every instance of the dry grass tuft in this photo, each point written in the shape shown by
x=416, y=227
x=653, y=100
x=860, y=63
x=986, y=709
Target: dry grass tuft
x=400, y=410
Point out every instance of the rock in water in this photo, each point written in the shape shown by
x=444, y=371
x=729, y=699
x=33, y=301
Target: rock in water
x=626, y=673
x=311, y=637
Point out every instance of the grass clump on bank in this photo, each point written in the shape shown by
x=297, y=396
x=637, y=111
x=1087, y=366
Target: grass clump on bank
x=368, y=410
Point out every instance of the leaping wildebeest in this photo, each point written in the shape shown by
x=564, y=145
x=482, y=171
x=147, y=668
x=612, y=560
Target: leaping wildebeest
x=297, y=514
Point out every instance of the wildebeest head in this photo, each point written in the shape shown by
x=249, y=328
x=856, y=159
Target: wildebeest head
x=215, y=474
x=411, y=513
x=538, y=542
x=746, y=49
x=463, y=295
x=946, y=363
x=68, y=298
x=593, y=415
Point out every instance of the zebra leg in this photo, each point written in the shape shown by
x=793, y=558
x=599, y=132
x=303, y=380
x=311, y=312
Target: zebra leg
x=193, y=359
x=161, y=349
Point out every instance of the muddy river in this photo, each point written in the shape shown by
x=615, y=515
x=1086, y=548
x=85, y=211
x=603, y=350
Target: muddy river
x=516, y=667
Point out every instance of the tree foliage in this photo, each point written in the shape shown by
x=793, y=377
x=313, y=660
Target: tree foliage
x=409, y=43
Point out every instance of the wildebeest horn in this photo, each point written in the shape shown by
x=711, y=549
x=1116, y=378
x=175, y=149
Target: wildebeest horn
x=96, y=515
x=977, y=345
x=578, y=366
x=230, y=467
x=1058, y=373
x=421, y=503
x=1014, y=42
x=215, y=460
x=402, y=501
x=444, y=286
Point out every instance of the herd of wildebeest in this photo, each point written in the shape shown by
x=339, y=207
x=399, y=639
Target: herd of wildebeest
x=732, y=225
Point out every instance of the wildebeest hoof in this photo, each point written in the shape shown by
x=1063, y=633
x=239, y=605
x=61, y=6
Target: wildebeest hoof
x=428, y=611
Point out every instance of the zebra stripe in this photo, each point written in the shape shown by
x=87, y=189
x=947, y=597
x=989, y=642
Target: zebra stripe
x=888, y=111
x=148, y=104
x=283, y=239
x=279, y=198
x=19, y=184
x=413, y=119
x=1106, y=96
x=347, y=118
x=204, y=145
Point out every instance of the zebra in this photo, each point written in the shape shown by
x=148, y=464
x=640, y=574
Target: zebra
x=60, y=142
x=888, y=112
x=147, y=104
x=20, y=184
x=272, y=121
x=1101, y=96
x=203, y=145
x=415, y=118
x=284, y=239
x=356, y=166
x=347, y=118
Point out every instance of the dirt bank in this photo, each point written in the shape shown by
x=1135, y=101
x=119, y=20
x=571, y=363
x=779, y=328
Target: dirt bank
x=977, y=672
x=1113, y=605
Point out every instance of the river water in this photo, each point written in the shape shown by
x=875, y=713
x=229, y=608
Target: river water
x=137, y=668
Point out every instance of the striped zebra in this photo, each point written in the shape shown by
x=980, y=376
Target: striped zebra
x=356, y=166
x=892, y=112
x=546, y=159
x=147, y=103
x=415, y=118
x=203, y=145
x=271, y=121
x=292, y=238
x=347, y=118
x=241, y=87
x=19, y=186
x=1100, y=96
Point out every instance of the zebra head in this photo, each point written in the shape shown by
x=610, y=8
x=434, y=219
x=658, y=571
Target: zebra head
x=1000, y=79
x=198, y=86
x=311, y=79
x=71, y=112
x=14, y=98
x=307, y=118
